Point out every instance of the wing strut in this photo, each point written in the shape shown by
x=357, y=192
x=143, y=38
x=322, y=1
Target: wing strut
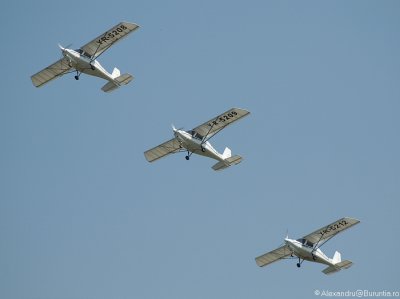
x=95, y=52
x=94, y=55
x=323, y=243
x=205, y=139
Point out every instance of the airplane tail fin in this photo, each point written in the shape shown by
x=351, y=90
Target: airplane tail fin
x=227, y=153
x=228, y=161
x=118, y=81
x=337, y=257
x=338, y=264
x=116, y=73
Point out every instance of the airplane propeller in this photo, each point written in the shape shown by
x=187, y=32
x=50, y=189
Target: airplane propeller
x=175, y=129
x=64, y=48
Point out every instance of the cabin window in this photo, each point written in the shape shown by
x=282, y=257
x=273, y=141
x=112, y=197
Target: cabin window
x=198, y=136
x=195, y=135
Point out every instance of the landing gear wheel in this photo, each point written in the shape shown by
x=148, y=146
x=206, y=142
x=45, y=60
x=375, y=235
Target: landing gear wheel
x=76, y=77
x=187, y=158
x=203, y=149
x=92, y=67
x=298, y=265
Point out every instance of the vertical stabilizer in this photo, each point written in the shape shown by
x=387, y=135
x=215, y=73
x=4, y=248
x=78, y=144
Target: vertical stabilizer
x=116, y=73
x=337, y=257
x=227, y=153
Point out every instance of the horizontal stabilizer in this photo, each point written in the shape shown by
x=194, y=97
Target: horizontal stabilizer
x=344, y=264
x=337, y=267
x=124, y=79
x=121, y=80
x=227, y=162
x=110, y=86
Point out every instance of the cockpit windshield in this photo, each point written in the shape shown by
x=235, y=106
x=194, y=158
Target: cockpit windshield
x=195, y=135
x=305, y=242
x=83, y=53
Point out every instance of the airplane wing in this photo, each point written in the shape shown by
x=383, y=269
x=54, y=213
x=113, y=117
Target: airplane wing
x=216, y=124
x=108, y=38
x=169, y=147
x=273, y=256
x=51, y=72
x=331, y=230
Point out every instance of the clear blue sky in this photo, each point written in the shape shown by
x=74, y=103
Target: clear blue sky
x=83, y=215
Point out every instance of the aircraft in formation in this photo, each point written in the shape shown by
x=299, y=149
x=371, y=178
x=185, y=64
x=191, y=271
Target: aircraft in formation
x=307, y=248
x=84, y=60
x=196, y=141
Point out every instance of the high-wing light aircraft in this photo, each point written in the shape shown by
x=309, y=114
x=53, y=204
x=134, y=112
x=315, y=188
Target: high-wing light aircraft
x=196, y=141
x=308, y=248
x=84, y=60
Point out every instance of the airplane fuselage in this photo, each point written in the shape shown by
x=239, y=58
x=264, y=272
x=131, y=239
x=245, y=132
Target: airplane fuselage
x=85, y=65
x=196, y=145
x=308, y=253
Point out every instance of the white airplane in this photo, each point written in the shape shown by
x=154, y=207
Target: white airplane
x=84, y=60
x=308, y=248
x=196, y=141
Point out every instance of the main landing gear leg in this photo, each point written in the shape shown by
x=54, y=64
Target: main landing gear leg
x=77, y=75
x=188, y=156
x=299, y=263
